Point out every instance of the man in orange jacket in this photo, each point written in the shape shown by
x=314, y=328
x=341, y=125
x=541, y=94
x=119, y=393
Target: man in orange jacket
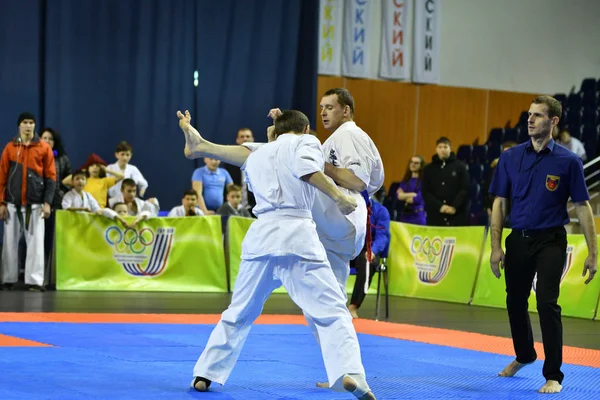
x=27, y=184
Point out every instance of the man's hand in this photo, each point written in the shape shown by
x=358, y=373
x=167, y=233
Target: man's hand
x=46, y=211
x=409, y=200
x=3, y=212
x=497, y=261
x=274, y=113
x=590, y=264
x=451, y=210
x=445, y=209
x=346, y=204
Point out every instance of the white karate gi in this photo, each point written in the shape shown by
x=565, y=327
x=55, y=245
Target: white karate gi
x=282, y=248
x=144, y=207
x=72, y=199
x=131, y=172
x=179, y=211
x=344, y=235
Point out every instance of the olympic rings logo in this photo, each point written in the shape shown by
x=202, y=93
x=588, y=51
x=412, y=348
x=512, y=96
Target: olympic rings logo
x=425, y=249
x=130, y=239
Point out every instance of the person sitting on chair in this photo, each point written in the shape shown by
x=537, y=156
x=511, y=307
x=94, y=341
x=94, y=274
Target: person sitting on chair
x=380, y=231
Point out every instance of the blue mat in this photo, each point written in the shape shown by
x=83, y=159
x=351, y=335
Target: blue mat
x=146, y=362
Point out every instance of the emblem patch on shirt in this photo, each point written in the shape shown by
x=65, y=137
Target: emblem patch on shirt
x=552, y=182
x=333, y=158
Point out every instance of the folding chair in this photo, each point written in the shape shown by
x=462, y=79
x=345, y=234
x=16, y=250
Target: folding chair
x=382, y=270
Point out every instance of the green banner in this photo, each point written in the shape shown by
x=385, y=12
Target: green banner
x=436, y=263
x=161, y=254
x=236, y=230
x=576, y=299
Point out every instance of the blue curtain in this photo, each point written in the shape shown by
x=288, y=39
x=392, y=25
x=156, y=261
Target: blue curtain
x=119, y=70
x=19, y=62
x=115, y=70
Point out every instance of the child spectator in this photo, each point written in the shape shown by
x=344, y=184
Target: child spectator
x=233, y=205
x=77, y=199
x=123, y=155
x=97, y=183
x=189, y=206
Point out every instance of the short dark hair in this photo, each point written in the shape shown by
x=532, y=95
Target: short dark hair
x=554, y=106
x=190, y=192
x=123, y=146
x=119, y=203
x=344, y=97
x=291, y=121
x=128, y=182
x=80, y=172
x=443, y=139
x=233, y=188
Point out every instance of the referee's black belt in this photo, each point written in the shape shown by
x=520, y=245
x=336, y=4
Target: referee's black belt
x=538, y=232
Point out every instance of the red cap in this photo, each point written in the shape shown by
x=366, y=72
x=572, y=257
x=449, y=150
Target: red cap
x=93, y=159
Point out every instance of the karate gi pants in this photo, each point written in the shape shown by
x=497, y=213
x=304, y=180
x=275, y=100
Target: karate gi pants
x=313, y=287
x=14, y=229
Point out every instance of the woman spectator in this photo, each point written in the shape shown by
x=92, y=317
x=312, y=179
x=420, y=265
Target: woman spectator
x=409, y=191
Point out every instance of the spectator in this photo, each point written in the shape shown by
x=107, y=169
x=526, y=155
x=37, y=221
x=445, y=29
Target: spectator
x=123, y=155
x=27, y=185
x=248, y=201
x=380, y=231
x=135, y=205
x=233, y=204
x=63, y=169
x=445, y=187
x=77, y=199
x=189, y=206
x=97, y=182
x=409, y=191
x=210, y=182
x=572, y=143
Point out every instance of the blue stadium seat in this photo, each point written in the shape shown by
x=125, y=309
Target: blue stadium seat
x=574, y=116
x=589, y=94
x=487, y=171
x=496, y=136
x=465, y=153
x=511, y=135
x=562, y=98
x=479, y=154
x=476, y=173
x=590, y=115
x=523, y=134
x=574, y=101
x=493, y=152
x=163, y=213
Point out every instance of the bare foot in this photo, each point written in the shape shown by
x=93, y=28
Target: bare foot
x=350, y=385
x=201, y=384
x=192, y=138
x=323, y=385
x=551, y=387
x=511, y=369
x=353, y=311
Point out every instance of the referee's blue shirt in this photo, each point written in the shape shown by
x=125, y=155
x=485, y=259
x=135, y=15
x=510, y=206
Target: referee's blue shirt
x=539, y=184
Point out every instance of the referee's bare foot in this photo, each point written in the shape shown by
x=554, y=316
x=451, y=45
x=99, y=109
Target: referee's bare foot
x=511, y=369
x=323, y=385
x=353, y=311
x=351, y=386
x=192, y=138
x=551, y=387
x=201, y=384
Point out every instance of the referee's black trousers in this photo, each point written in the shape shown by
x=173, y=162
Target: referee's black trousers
x=544, y=252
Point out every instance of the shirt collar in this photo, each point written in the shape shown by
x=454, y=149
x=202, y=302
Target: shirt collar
x=549, y=147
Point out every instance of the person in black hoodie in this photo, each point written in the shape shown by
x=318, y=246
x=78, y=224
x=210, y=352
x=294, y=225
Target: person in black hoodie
x=445, y=187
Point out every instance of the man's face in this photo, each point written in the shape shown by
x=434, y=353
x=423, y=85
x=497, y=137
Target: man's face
x=189, y=202
x=26, y=128
x=539, y=123
x=443, y=150
x=48, y=138
x=79, y=182
x=211, y=163
x=234, y=198
x=243, y=136
x=123, y=157
x=129, y=193
x=333, y=114
x=121, y=209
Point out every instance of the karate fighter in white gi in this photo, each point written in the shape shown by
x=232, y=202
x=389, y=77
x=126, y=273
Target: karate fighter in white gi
x=282, y=248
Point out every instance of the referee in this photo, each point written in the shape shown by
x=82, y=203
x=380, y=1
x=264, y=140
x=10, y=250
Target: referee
x=538, y=177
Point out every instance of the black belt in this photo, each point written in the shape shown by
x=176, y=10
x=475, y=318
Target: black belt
x=537, y=232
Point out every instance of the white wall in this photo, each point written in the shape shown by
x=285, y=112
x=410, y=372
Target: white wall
x=536, y=46
x=533, y=46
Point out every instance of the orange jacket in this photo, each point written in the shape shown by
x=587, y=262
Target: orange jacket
x=27, y=173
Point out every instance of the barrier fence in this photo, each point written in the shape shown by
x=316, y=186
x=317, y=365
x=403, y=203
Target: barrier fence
x=189, y=254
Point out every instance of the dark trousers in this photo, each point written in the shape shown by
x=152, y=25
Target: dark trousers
x=543, y=252
x=360, y=264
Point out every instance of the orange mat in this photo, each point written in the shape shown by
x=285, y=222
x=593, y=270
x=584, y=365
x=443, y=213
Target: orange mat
x=422, y=334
